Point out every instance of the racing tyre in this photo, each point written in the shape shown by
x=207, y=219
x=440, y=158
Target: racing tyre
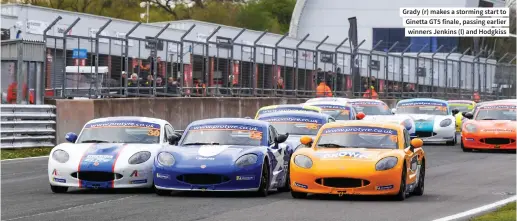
x=298, y=195
x=419, y=190
x=287, y=185
x=465, y=149
x=401, y=196
x=264, y=181
x=58, y=189
x=453, y=142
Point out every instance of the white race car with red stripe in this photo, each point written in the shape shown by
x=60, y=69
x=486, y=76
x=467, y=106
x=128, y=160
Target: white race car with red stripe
x=113, y=152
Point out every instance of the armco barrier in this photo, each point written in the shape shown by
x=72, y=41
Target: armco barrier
x=28, y=126
x=73, y=114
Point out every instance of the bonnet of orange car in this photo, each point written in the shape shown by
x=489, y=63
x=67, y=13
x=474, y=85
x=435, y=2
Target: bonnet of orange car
x=323, y=157
x=494, y=124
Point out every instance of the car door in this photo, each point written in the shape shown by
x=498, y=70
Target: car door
x=277, y=161
x=411, y=160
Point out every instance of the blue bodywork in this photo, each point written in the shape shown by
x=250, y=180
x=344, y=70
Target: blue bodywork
x=294, y=139
x=425, y=125
x=331, y=106
x=220, y=172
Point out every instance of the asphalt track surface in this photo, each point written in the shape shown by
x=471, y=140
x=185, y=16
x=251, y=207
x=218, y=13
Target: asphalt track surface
x=455, y=182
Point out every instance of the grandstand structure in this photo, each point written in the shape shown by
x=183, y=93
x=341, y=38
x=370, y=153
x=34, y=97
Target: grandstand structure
x=191, y=51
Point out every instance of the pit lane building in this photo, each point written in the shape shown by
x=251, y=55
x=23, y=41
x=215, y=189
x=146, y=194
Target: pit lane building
x=217, y=61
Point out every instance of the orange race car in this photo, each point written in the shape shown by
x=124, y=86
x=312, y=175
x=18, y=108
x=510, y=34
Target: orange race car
x=359, y=158
x=492, y=126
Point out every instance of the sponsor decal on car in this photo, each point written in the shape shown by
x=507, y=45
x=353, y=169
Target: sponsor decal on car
x=388, y=187
x=163, y=176
x=245, y=178
x=205, y=158
x=98, y=158
x=301, y=185
x=59, y=180
x=342, y=154
x=138, y=181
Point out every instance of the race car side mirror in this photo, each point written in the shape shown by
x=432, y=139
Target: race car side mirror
x=306, y=140
x=360, y=116
x=174, y=138
x=455, y=111
x=281, y=138
x=416, y=143
x=467, y=115
x=71, y=137
x=394, y=110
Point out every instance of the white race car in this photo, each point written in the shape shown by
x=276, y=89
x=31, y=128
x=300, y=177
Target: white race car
x=113, y=152
x=433, y=119
x=327, y=99
x=377, y=110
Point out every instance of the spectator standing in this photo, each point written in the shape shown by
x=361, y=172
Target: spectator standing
x=200, y=88
x=172, y=86
x=323, y=90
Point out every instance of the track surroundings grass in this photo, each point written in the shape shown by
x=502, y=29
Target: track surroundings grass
x=24, y=152
x=505, y=213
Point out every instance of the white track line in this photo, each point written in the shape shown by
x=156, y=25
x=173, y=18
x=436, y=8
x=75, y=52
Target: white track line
x=26, y=158
x=478, y=210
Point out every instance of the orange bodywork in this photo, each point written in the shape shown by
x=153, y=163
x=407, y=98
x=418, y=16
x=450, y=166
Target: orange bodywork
x=355, y=167
x=489, y=134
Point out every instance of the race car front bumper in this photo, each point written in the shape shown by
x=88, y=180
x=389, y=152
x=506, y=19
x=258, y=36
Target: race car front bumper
x=133, y=176
x=203, y=178
x=494, y=142
x=441, y=134
x=356, y=182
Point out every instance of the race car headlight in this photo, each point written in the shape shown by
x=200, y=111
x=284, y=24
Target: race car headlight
x=246, y=160
x=166, y=159
x=386, y=163
x=303, y=161
x=471, y=128
x=445, y=123
x=60, y=156
x=139, y=157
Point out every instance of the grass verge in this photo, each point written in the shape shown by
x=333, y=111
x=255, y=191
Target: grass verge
x=24, y=152
x=505, y=213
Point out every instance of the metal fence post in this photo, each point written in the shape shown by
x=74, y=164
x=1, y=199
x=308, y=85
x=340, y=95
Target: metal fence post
x=207, y=69
x=154, y=56
x=97, y=45
x=460, y=61
x=41, y=88
x=126, y=56
x=417, y=66
x=447, y=71
x=275, y=63
x=336, y=50
x=63, y=84
x=485, y=77
x=386, y=66
x=296, y=77
x=474, y=62
x=401, y=66
x=356, y=63
x=318, y=57
x=254, y=57
x=182, y=66
x=432, y=69
x=232, y=61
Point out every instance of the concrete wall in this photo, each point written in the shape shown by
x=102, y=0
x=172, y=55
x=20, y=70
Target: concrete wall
x=73, y=114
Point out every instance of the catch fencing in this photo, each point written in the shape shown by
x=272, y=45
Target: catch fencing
x=165, y=62
x=27, y=126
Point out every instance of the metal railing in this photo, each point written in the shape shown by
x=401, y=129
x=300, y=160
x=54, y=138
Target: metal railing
x=26, y=126
x=167, y=62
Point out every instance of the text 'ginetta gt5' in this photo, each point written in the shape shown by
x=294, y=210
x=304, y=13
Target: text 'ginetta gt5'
x=114, y=152
x=359, y=158
x=225, y=154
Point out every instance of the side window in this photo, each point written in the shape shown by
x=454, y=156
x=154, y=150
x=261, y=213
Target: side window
x=330, y=120
x=407, y=138
x=352, y=113
x=168, y=132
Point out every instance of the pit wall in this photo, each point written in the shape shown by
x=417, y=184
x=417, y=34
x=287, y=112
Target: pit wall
x=73, y=114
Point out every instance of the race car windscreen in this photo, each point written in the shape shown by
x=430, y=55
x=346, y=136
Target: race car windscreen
x=372, y=108
x=295, y=125
x=224, y=134
x=358, y=137
x=338, y=112
x=496, y=112
x=461, y=108
x=284, y=109
x=120, y=132
x=422, y=107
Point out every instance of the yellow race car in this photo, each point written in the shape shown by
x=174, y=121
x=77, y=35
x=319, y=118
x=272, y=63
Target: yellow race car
x=359, y=158
x=287, y=107
x=459, y=107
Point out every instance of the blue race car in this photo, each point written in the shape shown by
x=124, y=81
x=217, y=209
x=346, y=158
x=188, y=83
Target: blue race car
x=297, y=124
x=224, y=154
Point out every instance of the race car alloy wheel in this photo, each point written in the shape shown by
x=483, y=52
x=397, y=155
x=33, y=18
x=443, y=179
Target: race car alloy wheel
x=264, y=181
x=419, y=190
x=287, y=184
x=58, y=189
x=465, y=149
x=401, y=196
